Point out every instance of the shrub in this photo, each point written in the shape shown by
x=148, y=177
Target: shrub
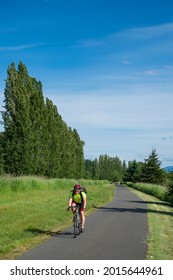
x=170, y=193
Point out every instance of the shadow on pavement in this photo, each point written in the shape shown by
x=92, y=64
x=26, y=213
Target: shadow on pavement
x=150, y=202
x=133, y=210
x=136, y=210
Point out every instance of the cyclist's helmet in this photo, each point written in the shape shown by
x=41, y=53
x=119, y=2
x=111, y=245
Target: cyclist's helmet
x=77, y=187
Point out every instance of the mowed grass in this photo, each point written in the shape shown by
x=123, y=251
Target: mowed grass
x=160, y=225
x=32, y=208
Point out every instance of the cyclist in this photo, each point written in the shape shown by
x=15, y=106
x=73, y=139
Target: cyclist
x=78, y=197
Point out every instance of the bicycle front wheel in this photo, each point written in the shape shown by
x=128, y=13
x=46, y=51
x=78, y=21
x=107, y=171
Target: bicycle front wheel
x=77, y=226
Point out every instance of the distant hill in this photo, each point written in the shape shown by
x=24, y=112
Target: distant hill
x=168, y=169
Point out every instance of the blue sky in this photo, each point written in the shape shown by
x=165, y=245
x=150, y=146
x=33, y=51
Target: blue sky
x=107, y=65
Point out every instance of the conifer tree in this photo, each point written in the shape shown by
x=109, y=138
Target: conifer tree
x=132, y=173
x=151, y=170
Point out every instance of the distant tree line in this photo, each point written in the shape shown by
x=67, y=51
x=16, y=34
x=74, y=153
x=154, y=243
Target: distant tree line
x=105, y=168
x=35, y=139
x=113, y=169
x=149, y=171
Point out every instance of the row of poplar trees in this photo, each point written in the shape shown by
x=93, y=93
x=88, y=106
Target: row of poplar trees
x=35, y=139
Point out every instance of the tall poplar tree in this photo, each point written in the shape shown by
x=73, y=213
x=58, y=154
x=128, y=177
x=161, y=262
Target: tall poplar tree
x=38, y=121
x=80, y=164
x=54, y=126
x=16, y=122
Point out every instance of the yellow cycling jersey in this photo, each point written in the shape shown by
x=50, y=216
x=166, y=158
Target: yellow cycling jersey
x=77, y=197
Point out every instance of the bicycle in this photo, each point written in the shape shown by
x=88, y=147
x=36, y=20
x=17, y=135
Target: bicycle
x=77, y=220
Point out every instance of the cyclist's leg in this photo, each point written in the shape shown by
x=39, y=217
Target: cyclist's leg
x=82, y=213
x=73, y=207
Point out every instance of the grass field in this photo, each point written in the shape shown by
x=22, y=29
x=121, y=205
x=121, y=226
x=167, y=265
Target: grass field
x=32, y=208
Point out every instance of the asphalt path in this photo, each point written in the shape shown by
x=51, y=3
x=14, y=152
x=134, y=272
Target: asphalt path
x=115, y=231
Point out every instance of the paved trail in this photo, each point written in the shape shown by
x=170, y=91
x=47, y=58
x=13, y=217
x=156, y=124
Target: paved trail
x=116, y=231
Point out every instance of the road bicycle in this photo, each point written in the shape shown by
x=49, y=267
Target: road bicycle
x=77, y=221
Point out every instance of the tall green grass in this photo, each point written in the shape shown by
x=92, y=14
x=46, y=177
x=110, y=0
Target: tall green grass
x=158, y=191
x=32, y=207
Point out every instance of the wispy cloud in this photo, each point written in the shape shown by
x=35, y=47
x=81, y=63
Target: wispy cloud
x=147, y=32
x=124, y=61
x=21, y=47
x=139, y=33
x=88, y=43
x=117, y=111
x=151, y=72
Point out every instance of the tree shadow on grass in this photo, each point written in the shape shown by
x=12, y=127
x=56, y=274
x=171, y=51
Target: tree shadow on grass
x=57, y=234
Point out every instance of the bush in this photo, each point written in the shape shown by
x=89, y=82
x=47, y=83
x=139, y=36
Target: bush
x=170, y=193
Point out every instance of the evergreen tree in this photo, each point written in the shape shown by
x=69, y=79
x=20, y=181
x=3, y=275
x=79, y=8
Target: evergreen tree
x=151, y=170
